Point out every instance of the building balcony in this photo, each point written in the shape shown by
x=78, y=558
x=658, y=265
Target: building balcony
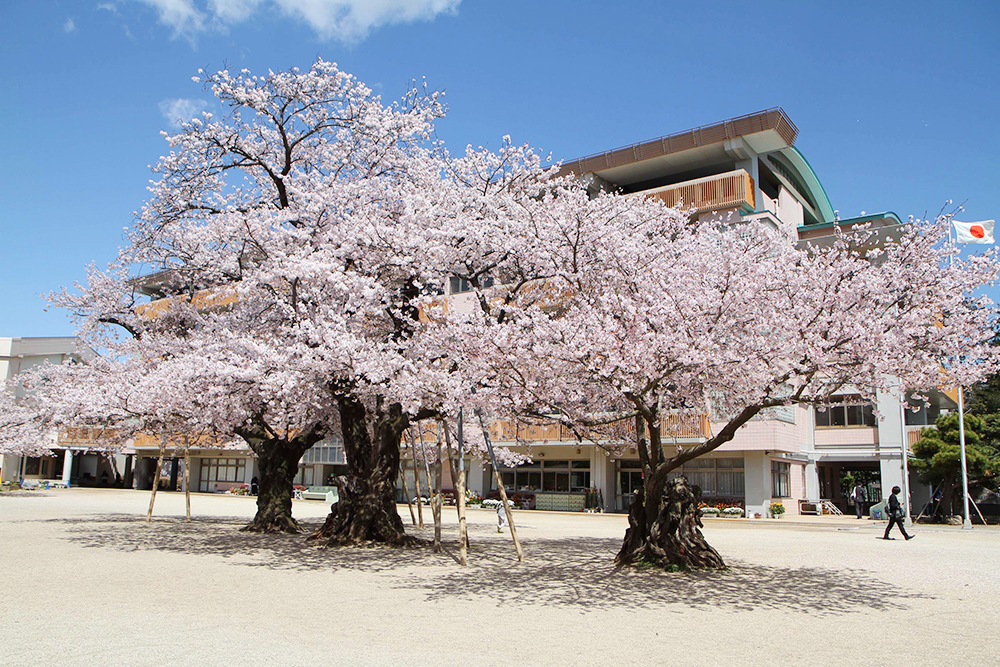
x=673, y=425
x=734, y=189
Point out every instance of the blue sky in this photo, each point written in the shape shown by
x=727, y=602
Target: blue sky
x=896, y=102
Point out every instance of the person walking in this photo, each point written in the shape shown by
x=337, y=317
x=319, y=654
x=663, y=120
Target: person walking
x=501, y=517
x=895, y=511
x=859, y=498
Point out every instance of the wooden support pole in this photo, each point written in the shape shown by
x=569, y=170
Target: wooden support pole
x=156, y=480
x=503, y=492
x=416, y=477
x=427, y=471
x=438, y=500
x=463, y=528
x=406, y=492
x=187, y=478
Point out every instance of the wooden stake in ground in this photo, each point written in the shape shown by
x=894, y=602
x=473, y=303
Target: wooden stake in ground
x=463, y=529
x=406, y=492
x=156, y=479
x=416, y=476
x=503, y=492
x=187, y=478
x=430, y=490
x=438, y=500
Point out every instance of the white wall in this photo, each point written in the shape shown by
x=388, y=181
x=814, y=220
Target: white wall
x=757, y=481
x=890, y=438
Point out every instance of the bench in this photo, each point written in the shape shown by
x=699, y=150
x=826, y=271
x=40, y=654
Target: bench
x=810, y=507
x=327, y=493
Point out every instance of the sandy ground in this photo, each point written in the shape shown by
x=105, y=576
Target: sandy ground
x=83, y=581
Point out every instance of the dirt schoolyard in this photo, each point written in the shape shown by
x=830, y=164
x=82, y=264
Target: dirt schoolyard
x=85, y=580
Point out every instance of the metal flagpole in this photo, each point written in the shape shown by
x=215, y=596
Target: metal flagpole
x=966, y=521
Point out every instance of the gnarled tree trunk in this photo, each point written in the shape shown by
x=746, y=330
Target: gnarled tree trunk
x=278, y=459
x=665, y=528
x=366, y=509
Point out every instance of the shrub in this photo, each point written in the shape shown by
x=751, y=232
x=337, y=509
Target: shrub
x=733, y=511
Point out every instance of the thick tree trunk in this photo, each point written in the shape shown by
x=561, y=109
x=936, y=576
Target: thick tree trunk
x=366, y=510
x=278, y=460
x=665, y=530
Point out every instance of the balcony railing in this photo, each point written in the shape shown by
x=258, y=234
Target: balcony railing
x=672, y=426
x=729, y=190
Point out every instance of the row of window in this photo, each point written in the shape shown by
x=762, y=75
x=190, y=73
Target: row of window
x=221, y=470
x=855, y=411
x=565, y=476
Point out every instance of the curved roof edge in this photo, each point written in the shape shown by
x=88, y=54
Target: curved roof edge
x=811, y=181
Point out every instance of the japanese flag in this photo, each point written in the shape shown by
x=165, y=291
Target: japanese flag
x=973, y=232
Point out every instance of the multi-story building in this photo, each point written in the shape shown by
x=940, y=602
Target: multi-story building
x=68, y=462
x=745, y=168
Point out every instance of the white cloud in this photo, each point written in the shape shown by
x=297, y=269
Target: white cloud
x=180, y=110
x=69, y=25
x=181, y=15
x=233, y=11
x=350, y=20
x=344, y=20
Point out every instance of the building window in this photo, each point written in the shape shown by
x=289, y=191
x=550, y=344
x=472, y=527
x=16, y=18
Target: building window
x=779, y=479
x=846, y=411
x=221, y=470
x=458, y=285
x=559, y=476
x=718, y=478
x=33, y=466
x=924, y=415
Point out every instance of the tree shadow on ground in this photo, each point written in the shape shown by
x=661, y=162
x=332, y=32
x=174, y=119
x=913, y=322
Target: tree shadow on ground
x=575, y=572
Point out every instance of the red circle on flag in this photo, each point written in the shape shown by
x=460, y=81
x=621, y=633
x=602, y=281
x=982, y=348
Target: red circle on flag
x=977, y=231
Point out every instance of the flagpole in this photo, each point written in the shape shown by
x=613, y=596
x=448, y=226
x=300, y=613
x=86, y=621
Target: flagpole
x=966, y=520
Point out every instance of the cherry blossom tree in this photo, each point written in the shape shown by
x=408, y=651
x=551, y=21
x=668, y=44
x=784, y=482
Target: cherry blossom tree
x=290, y=247
x=634, y=311
x=232, y=242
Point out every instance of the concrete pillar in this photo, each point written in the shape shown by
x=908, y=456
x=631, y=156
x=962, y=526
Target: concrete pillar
x=174, y=469
x=891, y=445
x=757, y=480
x=812, y=480
x=602, y=476
x=67, y=466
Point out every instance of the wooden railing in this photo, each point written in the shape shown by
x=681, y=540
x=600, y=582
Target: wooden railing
x=672, y=426
x=206, y=299
x=732, y=189
x=86, y=436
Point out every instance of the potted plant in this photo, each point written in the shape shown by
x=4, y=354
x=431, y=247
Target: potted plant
x=777, y=509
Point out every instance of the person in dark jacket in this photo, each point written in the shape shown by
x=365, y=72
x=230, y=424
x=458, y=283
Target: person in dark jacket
x=859, y=499
x=895, y=512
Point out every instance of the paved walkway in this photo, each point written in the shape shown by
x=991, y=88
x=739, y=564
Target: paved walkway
x=85, y=580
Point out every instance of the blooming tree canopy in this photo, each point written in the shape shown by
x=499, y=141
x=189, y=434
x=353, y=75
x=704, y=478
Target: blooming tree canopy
x=636, y=311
